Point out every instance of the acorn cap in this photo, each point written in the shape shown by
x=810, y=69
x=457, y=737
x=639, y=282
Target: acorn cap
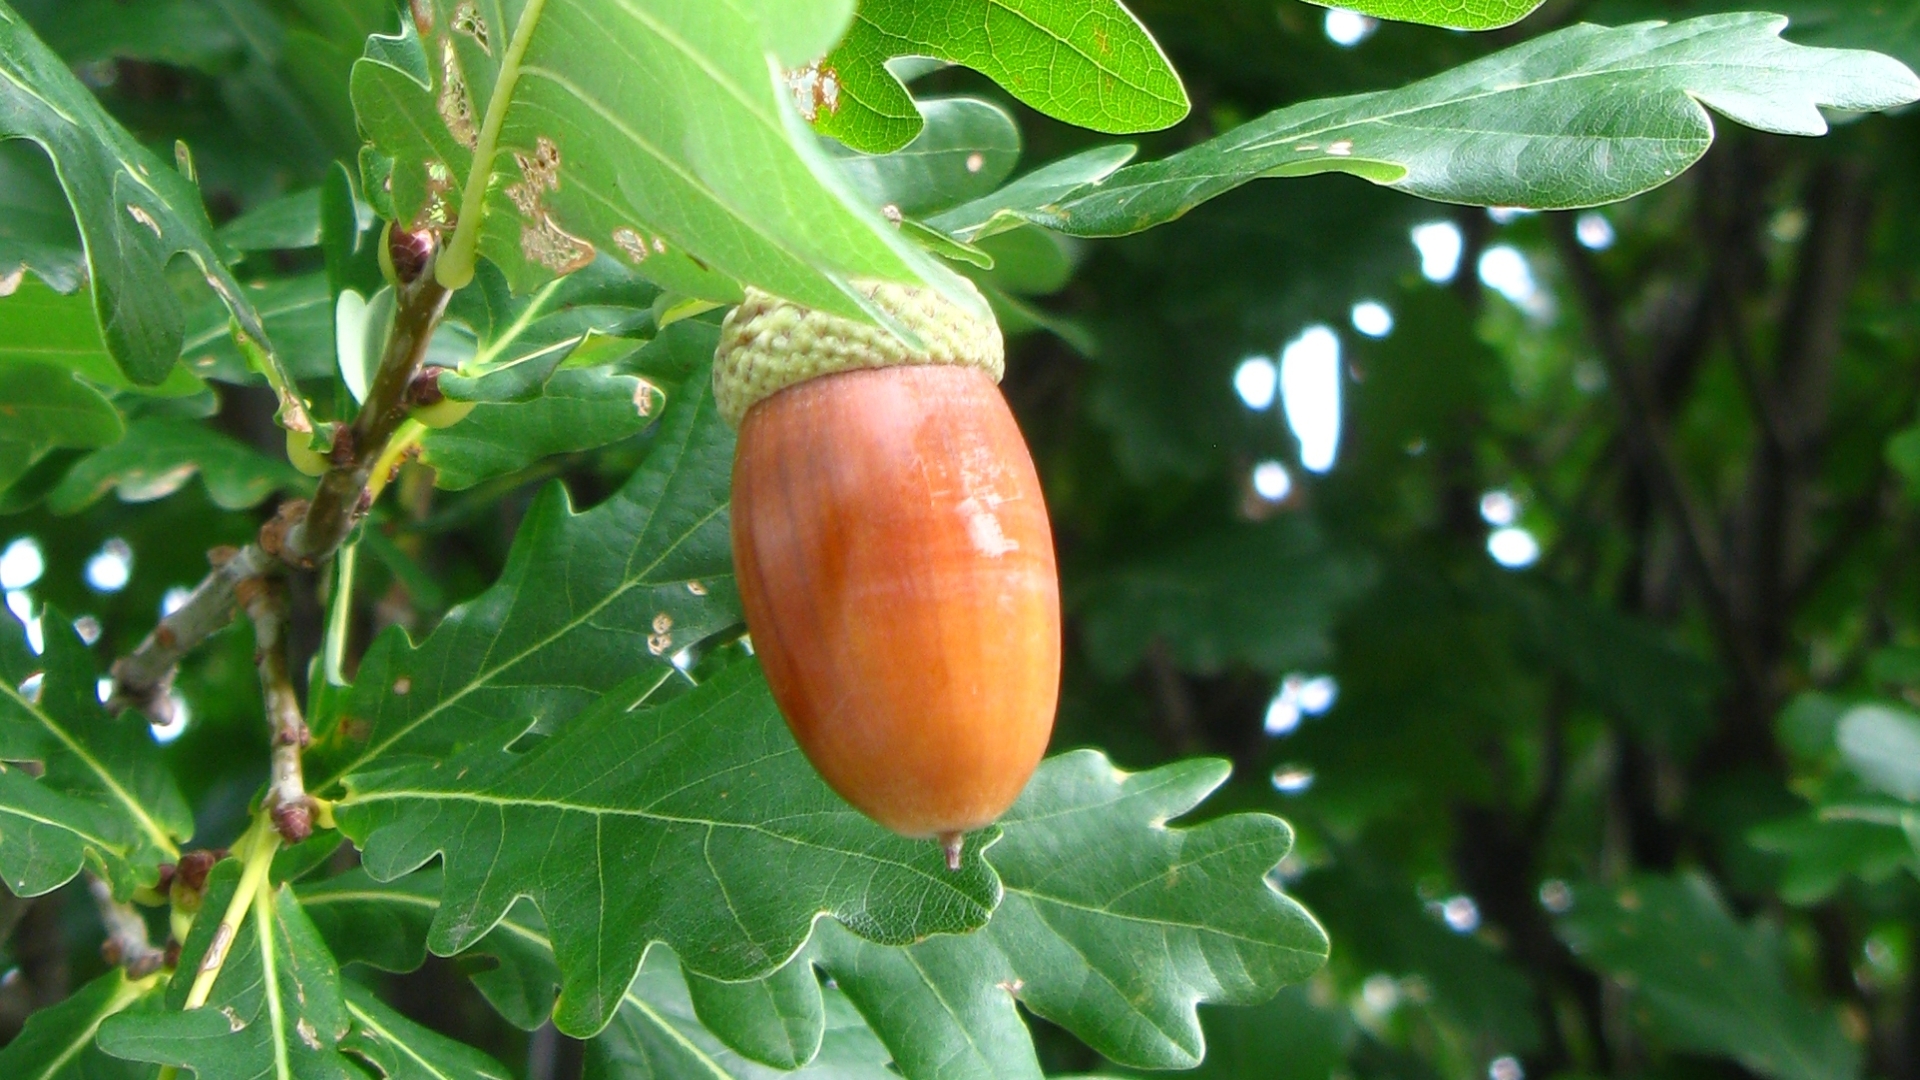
x=768, y=344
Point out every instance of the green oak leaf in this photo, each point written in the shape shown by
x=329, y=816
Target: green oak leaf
x=1112, y=925
x=1882, y=746
x=696, y=823
x=275, y=1011
x=1087, y=62
x=58, y=1041
x=287, y=223
x=966, y=149
x=654, y=132
x=40, y=325
x=37, y=232
x=1201, y=599
x=133, y=212
x=105, y=800
x=656, y=1036
x=160, y=454
x=779, y=1020
x=297, y=311
x=383, y=924
x=46, y=406
x=521, y=341
x=574, y=613
x=1579, y=117
x=1009, y=207
x=403, y=1050
x=1452, y=14
x=575, y=410
x=1888, y=26
x=659, y=1022
x=1708, y=984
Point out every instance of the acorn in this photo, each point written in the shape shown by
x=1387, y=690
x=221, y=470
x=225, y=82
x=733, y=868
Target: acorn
x=893, y=554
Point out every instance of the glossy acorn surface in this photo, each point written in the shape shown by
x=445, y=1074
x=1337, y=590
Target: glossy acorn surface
x=897, y=570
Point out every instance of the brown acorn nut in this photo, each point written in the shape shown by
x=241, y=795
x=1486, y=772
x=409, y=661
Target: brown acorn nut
x=894, y=556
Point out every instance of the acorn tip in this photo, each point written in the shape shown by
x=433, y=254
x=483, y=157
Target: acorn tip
x=952, y=843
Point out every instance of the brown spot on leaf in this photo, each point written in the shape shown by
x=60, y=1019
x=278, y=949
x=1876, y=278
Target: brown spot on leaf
x=467, y=20
x=454, y=103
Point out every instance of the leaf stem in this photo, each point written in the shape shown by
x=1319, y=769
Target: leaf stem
x=455, y=267
x=256, y=850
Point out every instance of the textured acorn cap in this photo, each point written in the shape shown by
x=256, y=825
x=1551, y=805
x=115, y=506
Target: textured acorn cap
x=768, y=344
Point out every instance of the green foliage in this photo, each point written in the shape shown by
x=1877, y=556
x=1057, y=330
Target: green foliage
x=1456, y=14
x=610, y=153
x=1472, y=135
x=159, y=454
x=1707, y=983
x=103, y=799
x=133, y=211
x=553, y=787
x=281, y=1013
x=1087, y=62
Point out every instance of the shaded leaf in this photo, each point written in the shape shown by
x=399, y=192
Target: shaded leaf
x=519, y=342
x=1087, y=62
x=966, y=149
x=297, y=311
x=655, y=1036
x=37, y=232
x=1009, y=207
x=105, y=799
x=275, y=1011
x=57, y=1043
x=403, y=1050
x=133, y=211
x=576, y=410
x=1579, y=117
x=383, y=924
x=1707, y=983
x=1821, y=855
x=39, y=325
x=1261, y=595
x=289, y=222
x=778, y=1021
x=160, y=454
x=44, y=405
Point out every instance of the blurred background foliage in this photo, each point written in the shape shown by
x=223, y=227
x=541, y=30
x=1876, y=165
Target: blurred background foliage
x=1555, y=575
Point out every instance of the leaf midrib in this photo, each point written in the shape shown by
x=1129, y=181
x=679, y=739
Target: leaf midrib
x=482, y=678
x=147, y=824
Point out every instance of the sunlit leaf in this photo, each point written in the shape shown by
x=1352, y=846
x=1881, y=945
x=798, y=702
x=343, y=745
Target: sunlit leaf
x=1453, y=14
x=1113, y=926
x=652, y=132
x=1087, y=62
x=134, y=212
x=1579, y=117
